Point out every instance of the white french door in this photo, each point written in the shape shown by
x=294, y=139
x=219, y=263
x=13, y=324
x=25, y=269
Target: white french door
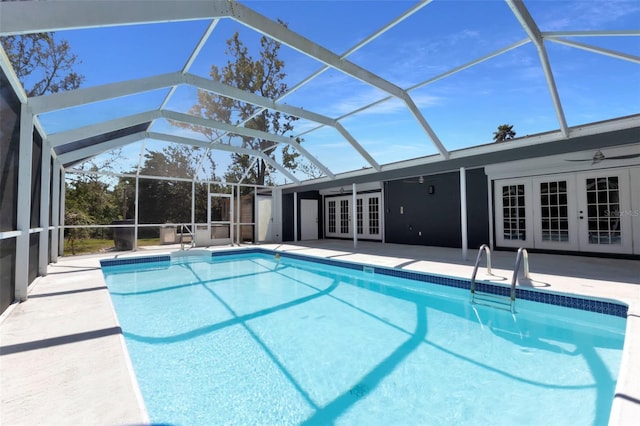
x=634, y=213
x=603, y=203
x=340, y=216
x=368, y=216
x=587, y=211
x=514, y=216
x=555, y=212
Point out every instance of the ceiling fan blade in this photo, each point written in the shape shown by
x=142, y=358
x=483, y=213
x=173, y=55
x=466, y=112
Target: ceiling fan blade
x=589, y=159
x=622, y=157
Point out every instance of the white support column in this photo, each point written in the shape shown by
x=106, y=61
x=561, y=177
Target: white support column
x=232, y=215
x=463, y=211
x=193, y=207
x=490, y=206
x=55, y=209
x=256, y=216
x=238, y=217
x=208, y=213
x=24, y=203
x=354, y=215
x=295, y=216
x=383, y=212
x=61, y=212
x=45, y=185
x=137, y=219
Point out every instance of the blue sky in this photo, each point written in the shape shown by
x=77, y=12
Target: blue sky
x=463, y=109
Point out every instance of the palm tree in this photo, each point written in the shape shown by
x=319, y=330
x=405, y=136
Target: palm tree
x=504, y=133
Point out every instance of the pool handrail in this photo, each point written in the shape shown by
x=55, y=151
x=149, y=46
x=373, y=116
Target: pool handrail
x=483, y=249
x=522, y=253
x=193, y=241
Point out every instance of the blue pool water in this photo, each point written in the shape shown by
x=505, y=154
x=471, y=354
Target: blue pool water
x=250, y=339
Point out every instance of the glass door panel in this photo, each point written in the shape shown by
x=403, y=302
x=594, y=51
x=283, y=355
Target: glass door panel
x=556, y=213
x=514, y=222
x=338, y=218
x=603, y=197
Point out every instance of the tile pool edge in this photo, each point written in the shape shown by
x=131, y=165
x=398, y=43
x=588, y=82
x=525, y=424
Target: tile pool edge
x=584, y=303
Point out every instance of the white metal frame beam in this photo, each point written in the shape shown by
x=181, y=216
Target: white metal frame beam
x=222, y=147
x=192, y=58
x=112, y=125
x=362, y=43
x=37, y=16
x=240, y=95
x=62, y=138
x=531, y=28
x=48, y=103
x=244, y=131
x=276, y=31
x=187, y=66
x=73, y=98
x=92, y=151
x=595, y=49
x=63, y=15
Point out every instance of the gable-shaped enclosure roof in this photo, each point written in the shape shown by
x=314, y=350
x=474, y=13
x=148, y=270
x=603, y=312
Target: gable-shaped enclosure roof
x=374, y=85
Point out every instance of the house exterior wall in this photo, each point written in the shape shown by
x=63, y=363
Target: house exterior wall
x=287, y=213
x=414, y=216
x=287, y=217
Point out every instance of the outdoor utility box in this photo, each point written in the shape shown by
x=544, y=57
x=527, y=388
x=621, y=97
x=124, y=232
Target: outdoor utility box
x=123, y=236
x=168, y=235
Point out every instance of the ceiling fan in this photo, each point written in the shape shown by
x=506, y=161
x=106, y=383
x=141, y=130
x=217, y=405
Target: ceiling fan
x=341, y=190
x=599, y=156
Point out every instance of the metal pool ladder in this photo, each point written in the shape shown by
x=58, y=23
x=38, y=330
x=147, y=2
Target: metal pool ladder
x=192, y=242
x=497, y=300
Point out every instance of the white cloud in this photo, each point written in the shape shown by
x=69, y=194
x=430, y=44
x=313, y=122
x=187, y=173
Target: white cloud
x=587, y=15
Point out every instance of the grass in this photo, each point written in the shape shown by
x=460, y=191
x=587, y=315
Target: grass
x=93, y=245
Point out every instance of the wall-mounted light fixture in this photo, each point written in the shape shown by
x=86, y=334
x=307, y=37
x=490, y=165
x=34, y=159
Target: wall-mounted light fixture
x=431, y=189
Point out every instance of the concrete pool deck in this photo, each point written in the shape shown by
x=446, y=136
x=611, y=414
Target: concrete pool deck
x=63, y=360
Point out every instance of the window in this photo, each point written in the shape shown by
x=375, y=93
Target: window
x=554, y=211
x=332, y=217
x=359, y=216
x=344, y=216
x=514, y=216
x=374, y=216
x=603, y=210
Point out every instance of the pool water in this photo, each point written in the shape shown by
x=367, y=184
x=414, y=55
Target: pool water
x=250, y=339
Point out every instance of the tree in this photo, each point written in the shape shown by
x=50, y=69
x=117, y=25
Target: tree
x=88, y=201
x=41, y=64
x=263, y=76
x=505, y=132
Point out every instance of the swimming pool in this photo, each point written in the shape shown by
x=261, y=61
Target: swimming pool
x=251, y=339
